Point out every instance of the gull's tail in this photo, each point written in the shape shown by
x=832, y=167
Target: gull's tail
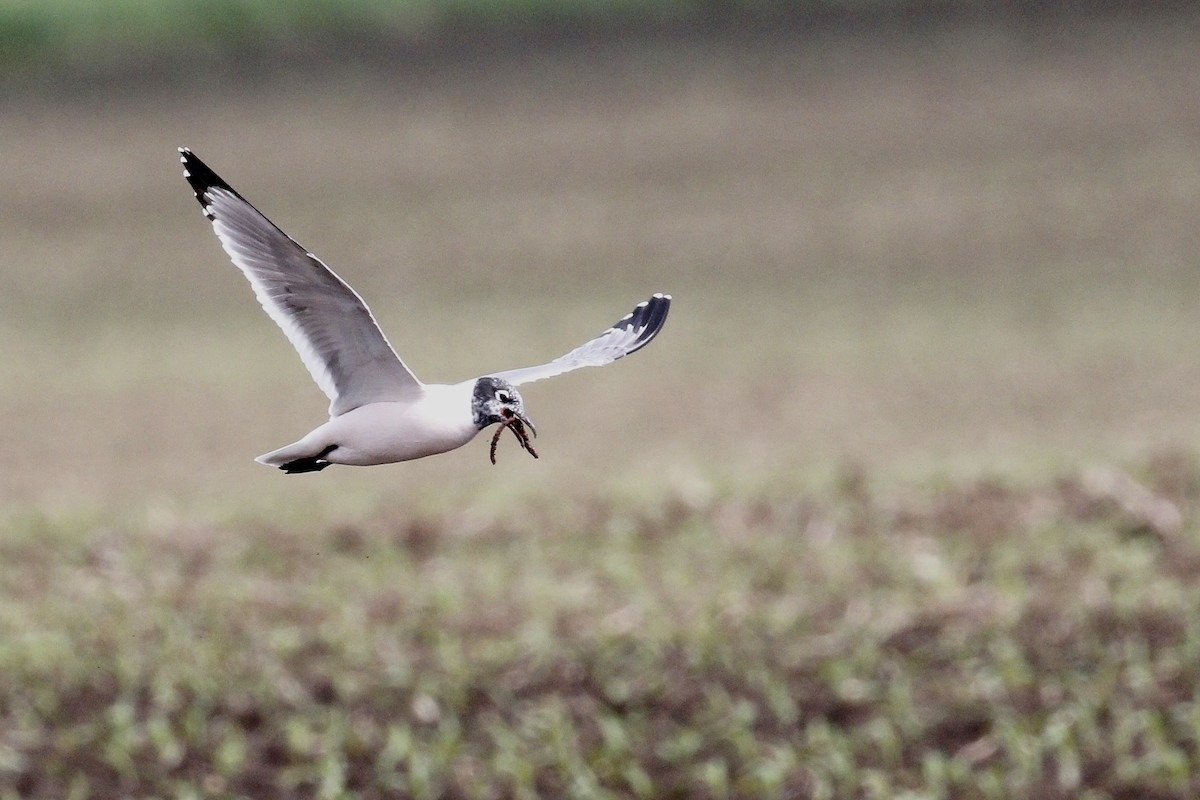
x=297, y=457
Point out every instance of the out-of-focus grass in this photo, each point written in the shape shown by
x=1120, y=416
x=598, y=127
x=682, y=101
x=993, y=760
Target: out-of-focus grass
x=65, y=44
x=985, y=640
x=966, y=253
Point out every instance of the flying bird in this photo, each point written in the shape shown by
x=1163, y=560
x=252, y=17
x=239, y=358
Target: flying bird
x=379, y=412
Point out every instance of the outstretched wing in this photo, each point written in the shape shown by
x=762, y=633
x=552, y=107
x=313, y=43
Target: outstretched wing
x=325, y=320
x=628, y=335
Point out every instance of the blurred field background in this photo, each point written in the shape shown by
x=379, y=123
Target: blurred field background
x=902, y=501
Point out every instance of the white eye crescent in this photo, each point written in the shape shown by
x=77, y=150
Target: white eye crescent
x=503, y=397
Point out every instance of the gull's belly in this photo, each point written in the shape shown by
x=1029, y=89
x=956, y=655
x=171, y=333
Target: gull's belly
x=382, y=433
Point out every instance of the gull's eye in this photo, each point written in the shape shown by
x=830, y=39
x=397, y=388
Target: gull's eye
x=503, y=397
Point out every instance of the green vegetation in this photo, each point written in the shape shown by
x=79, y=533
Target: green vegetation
x=982, y=641
x=82, y=38
x=905, y=501
x=88, y=42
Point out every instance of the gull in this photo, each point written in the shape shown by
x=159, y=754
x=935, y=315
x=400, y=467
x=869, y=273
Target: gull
x=379, y=412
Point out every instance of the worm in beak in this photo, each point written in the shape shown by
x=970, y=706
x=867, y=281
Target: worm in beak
x=517, y=425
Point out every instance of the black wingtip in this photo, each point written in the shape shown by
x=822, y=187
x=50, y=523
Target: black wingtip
x=650, y=315
x=200, y=177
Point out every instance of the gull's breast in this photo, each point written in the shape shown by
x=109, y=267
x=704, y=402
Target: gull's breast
x=383, y=433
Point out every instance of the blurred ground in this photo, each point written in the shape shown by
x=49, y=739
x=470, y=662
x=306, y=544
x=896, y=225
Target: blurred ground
x=957, y=251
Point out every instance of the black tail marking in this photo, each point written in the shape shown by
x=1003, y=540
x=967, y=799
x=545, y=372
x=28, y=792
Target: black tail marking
x=309, y=463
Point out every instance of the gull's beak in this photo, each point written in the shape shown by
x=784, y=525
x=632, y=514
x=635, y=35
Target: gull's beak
x=518, y=426
x=528, y=424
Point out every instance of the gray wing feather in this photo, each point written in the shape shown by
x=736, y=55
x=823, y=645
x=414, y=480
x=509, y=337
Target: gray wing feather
x=322, y=316
x=628, y=335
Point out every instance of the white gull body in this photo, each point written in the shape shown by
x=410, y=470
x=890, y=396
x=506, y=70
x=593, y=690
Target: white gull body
x=437, y=421
x=379, y=412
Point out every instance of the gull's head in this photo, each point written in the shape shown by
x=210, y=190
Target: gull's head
x=497, y=400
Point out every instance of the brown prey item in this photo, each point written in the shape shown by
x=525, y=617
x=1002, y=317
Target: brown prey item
x=518, y=429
